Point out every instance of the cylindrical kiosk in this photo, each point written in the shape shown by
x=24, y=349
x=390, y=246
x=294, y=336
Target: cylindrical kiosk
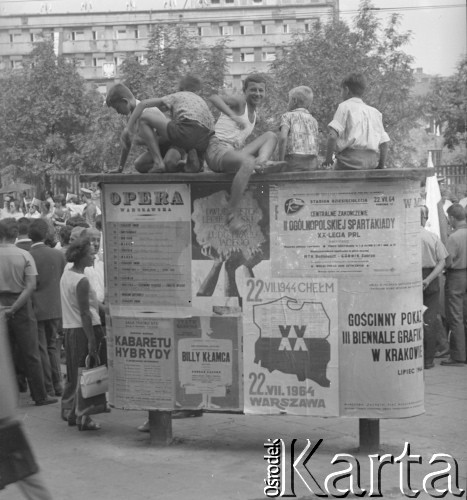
x=314, y=308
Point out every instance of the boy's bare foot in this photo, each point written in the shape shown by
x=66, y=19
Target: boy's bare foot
x=236, y=224
x=270, y=166
x=192, y=162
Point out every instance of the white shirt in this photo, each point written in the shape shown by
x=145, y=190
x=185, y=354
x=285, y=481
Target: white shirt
x=70, y=308
x=358, y=126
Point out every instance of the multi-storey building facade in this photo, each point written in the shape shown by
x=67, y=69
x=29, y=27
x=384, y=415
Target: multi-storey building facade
x=99, y=40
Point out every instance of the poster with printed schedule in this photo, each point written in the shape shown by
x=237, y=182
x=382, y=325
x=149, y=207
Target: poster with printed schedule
x=148, y=245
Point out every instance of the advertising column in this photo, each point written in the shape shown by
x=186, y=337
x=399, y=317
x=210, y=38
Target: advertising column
x=366, y=236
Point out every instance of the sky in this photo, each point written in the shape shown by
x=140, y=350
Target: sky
x=438, y=26
x=439, y=30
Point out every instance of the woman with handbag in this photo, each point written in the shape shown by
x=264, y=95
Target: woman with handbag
x=82, y=328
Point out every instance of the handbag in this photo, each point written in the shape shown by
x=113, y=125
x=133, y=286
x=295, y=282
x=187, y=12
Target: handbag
x=94, y=381
x=16, y=458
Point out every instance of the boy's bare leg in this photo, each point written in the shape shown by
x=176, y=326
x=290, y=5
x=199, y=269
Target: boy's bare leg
x=172, y=160
x=244, y=165
x=144, y=163
x=262, y=148
x=153, y=120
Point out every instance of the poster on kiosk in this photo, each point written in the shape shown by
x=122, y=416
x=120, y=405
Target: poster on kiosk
x=314, y=309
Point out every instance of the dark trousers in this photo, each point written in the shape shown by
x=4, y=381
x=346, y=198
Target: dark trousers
x=25, y=345
x=47, y=331
x=456, y=311
x=430, y=318
x=76, y=350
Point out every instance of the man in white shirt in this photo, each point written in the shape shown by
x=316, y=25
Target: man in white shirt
x=356, y=132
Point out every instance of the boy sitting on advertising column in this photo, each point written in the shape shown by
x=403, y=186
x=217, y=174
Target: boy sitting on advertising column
x=356, y=132
x=189, y=129
x=227, y=151
x=298, y=139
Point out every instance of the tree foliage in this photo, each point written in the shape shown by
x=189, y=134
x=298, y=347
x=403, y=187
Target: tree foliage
x=446, y=104
x=322, y=57
x=174, y=51
x=48, y=118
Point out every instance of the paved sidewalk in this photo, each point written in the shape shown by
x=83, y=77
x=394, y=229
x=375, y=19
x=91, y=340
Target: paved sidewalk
x=220, y=456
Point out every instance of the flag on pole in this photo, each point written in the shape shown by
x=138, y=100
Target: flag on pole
x=433, y=197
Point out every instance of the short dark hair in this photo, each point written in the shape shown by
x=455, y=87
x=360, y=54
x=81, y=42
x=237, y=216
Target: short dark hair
x=118, y=92
x=77, y=250
x=356, y=83
x=424, y=211
x=77, y=220
x=8, y=228
x=99, y=222
x=189, y=83
x=456, y=210
x=64, y=235
x=253, y=78
x=23, y=225
x=38, y=230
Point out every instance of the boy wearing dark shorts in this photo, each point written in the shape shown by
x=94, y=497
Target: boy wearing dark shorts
x=190, y=128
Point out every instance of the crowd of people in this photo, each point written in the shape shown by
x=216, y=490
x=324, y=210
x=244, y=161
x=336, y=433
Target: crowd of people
x=444, y=273
x=52, y=293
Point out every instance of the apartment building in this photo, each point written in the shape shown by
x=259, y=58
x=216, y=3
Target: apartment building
x=100, y=36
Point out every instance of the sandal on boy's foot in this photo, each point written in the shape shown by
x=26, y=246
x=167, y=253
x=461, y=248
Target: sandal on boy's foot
x=452, y=362
x=270, y=166
x=87, y=424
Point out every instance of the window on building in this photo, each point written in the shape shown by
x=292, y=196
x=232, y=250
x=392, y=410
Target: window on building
x=229, y=58
x=268, y=56
x=200, y=31
x=98, y=62
x=225, y=30
x=76, y=36
x=285, y=28
x=136, y=33
x=264, y=29
x=258, y=1
x=80, y=63
x=15, y=37
x=120, y=34
x=215, y=2
x=16, y=64
x=247, y=30
x=35, y=37
x=247, y=57
x=94, y=35
x=229, y=1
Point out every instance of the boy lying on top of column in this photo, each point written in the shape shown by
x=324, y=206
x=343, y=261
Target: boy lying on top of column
x=188, y=128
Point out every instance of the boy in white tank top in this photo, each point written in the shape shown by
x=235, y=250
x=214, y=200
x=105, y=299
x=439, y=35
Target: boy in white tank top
x=227, y=151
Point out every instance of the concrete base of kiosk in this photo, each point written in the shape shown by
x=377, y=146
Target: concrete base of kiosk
x=160, y=422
